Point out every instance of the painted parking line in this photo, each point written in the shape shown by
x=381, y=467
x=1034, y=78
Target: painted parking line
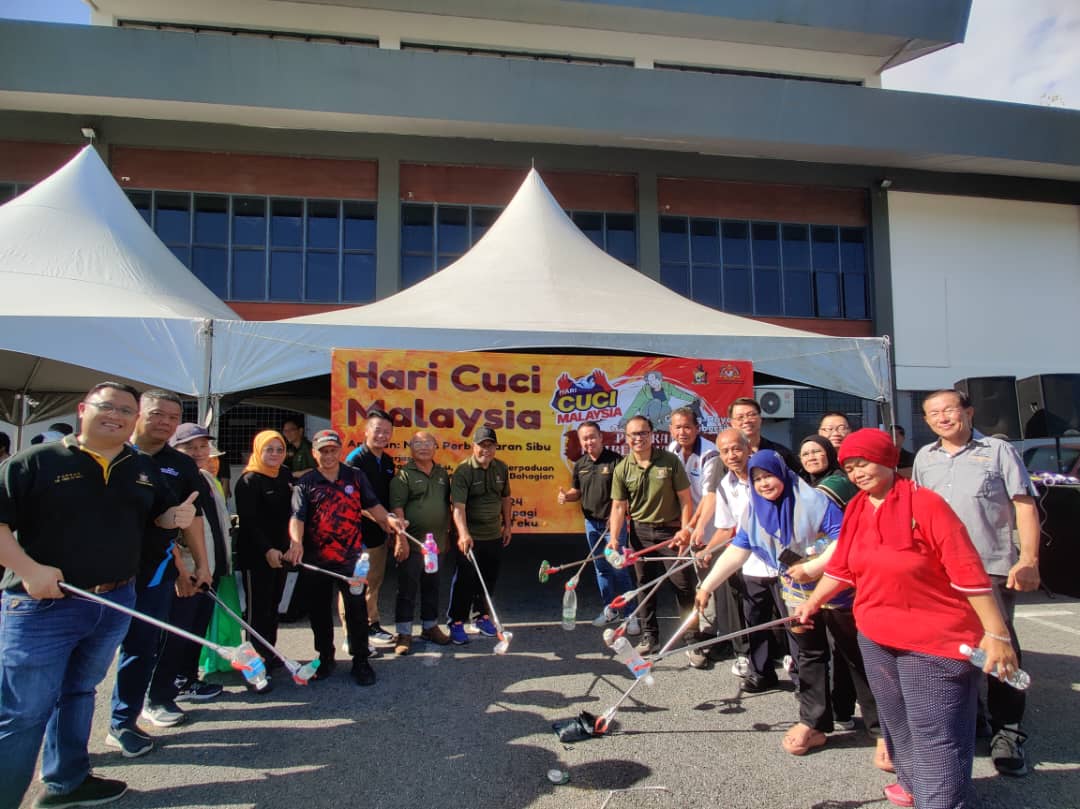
x=1053, y=625
x=1040, y=613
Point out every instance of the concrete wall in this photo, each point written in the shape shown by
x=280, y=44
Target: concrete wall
x=982, y=287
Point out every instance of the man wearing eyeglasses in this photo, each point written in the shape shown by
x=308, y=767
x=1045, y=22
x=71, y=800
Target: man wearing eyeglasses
x=987, y=485
x=650, y=485
x=834, y=426
x=162, y=574
x=83, y=508
x=745, y=415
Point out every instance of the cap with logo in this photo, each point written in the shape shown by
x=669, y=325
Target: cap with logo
x=324, y=437
x=484, y=434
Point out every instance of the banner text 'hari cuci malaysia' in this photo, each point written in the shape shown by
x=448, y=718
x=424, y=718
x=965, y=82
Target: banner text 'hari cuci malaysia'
x=535, y=402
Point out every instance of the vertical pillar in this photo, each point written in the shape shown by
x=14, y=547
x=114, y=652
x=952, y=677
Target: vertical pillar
x=648, y=225
x=388, y=229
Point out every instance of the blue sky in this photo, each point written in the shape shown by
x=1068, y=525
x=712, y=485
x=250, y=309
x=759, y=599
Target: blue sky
x=1027, y=51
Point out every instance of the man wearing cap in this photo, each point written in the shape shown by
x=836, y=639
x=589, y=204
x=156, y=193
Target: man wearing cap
x=987, y=485
x=378, y=467
x=177, y=672
x=650, y=486
x=325, y=530
x=161, y=574
x=83, y=508
x=480, y=491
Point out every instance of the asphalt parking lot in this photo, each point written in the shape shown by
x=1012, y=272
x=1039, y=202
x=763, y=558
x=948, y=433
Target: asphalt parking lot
x=461, y=727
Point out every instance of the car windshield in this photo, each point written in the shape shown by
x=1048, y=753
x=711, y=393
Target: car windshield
x=1045, y=459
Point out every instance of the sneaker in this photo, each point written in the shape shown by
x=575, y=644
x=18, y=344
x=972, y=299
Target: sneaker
x=1007, y=752
x=130, y=742
x=373, y=653
x=741, y=666
x=484, y=626
x=402, y=645
x=165, y=715
x=697, y=658
x=647, y=645
x=844, y=724
x=435, y=635
x=633, y=627
x=457, y=634
x=198, y=691
x=758, y=685
x=363, y=673
x=93, y=791
x=607, y=616
x=379, y=636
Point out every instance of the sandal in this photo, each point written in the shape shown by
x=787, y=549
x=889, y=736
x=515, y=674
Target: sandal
x=882, y=760
x=801, y=739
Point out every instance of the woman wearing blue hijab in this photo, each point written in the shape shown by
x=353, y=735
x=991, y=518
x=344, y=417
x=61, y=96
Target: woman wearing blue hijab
x=793, y=527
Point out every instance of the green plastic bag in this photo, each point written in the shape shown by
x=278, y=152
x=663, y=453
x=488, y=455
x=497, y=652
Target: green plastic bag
x=223, y=629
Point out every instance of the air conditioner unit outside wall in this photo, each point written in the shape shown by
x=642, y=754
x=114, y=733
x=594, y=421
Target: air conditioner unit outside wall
x=776, y=402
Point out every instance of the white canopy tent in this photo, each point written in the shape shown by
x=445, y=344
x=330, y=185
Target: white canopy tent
x=89, y=292
x=535, y=281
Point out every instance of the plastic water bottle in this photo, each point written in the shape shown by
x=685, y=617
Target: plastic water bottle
x=246, y=660
x=569, y=608
x=614, y=558
x=431, y=554
x=306, y=671
x=360, y=574
x=1019, y=679
x=818, y=547
x=627, y=654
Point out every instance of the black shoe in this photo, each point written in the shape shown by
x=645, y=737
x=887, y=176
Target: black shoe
x=363, y=673
x=647, y=645
x=91, y=792
x=1007, y=752
x=719, y=651
x=325, y=669
x=758, y=685
x=697, y=659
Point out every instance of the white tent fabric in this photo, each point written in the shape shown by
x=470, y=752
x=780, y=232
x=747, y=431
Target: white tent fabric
x=535, y=281
x=88, y=291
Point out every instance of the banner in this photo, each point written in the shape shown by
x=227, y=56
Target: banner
x=534, y=402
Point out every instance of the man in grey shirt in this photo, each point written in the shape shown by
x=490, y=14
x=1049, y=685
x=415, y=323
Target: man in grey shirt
x=985, y=482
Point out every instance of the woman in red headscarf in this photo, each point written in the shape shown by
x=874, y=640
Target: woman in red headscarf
x=920, y=592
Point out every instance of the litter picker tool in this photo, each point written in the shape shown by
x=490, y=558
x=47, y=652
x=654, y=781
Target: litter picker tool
x=634, y=556
x=243, y=658
x=349, y=580
x=546, y=568
x=611, y=635
x=504, y=637
x=665, y=652
x=603, y=722
x=300, y=673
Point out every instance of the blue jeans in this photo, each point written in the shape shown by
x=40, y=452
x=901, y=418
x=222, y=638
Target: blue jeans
x=611, y=582
x=53, y=654
x=139, y=652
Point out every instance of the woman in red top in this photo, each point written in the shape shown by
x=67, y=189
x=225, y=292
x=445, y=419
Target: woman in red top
x=920, y=592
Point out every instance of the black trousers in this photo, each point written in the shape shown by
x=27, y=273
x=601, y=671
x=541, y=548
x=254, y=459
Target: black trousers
x=322, y=593
x=685, y=581
x=466, y=594
x=412, y=578
x=263, y=586
x=180, y=656
x=815, y=697
x=1004, y=704
x=763, y=602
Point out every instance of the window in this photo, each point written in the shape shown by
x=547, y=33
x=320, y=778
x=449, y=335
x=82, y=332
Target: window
x=260, y=248
x=434, y=236
x=767, y=268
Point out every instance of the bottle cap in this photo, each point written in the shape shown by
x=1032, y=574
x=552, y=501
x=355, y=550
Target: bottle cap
x=558, y=776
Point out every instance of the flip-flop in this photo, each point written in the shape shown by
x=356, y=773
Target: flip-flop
x=882, y=760
x=801, y=739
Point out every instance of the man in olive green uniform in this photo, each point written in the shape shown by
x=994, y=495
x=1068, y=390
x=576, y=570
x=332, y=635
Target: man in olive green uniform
x=650, y=485
x=480, y=492
x=419, y=493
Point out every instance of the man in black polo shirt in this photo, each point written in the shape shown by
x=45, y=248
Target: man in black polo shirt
x=745, y=415
x=82, y=508
x=325, y=529
x=158, y=578
x=591, y=486
x=378, y=467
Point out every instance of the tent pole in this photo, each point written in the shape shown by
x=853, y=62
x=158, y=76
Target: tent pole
x=206, y=334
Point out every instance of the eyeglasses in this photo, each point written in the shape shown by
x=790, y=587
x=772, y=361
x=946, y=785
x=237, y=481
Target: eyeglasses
x=745, y=417
x=422, y=444
x=106, y=407
x=639, y=436
x=948, y=411
x=838, y=429
x=274, y=450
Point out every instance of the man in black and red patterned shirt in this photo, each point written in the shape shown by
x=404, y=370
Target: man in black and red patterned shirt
x=327, y=509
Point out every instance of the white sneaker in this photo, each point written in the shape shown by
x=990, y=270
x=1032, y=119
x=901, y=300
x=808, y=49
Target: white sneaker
x=789, y=663
x=633, y=626
x=741, y=666
x=606, y=617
